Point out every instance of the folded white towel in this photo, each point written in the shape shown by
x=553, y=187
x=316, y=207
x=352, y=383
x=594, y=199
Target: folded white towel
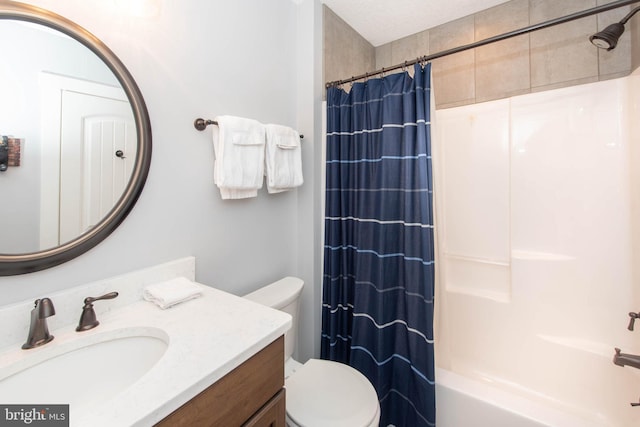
x=283, y=158
x=172, y=292
x=238, y=144
x=227, y=193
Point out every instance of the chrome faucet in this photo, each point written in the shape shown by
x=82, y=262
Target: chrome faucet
x=623, y=359
x=38, y=330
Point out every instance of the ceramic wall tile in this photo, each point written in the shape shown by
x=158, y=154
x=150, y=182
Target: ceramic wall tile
x=454, y=75
x=548, y=59
x=634, y=30
x=346, y=52
x=562, y=53
x=502, y=68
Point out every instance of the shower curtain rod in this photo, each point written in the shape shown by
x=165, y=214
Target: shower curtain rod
x=525, y=30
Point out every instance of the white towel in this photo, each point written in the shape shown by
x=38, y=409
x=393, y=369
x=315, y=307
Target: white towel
x=172, y=292
x=238, y=144
x=283, y=158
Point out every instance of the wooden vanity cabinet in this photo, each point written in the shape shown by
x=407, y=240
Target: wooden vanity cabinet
x=251, y=395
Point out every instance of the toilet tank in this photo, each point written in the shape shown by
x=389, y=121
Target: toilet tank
x=283, y=295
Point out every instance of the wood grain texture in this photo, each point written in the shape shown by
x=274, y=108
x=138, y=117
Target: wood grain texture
x=235, y=398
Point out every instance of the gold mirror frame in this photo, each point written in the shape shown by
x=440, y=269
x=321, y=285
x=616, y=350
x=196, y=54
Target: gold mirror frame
x=40, y=260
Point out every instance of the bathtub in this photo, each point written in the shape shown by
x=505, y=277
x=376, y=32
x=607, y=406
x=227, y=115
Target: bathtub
x=466, y=402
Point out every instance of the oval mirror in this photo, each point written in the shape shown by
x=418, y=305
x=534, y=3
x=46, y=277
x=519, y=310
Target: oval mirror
x=76, y=137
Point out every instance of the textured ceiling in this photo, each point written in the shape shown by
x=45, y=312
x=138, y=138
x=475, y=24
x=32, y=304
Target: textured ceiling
x=382, y=21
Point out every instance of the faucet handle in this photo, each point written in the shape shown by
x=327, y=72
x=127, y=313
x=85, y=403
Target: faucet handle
x=91, y=300
x=633, y=316
x=88, y=317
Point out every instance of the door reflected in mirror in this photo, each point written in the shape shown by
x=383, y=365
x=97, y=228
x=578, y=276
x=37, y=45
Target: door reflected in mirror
x=73, y=116
x=86, y=136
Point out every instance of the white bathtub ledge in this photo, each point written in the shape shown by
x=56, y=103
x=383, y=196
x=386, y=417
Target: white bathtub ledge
x=496, y=407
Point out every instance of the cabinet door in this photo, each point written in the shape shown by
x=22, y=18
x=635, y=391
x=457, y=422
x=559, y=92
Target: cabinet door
x=272, y=414
x=238, y=396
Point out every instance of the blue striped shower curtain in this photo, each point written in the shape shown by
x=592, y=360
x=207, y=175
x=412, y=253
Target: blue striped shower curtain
x=377, y=311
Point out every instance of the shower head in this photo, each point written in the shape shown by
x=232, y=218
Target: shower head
x=608, y=38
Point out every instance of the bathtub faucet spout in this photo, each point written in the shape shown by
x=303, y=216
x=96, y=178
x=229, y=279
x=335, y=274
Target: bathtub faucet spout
x=623, y=359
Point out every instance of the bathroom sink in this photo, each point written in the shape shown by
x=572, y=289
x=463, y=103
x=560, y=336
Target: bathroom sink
x=82, y=371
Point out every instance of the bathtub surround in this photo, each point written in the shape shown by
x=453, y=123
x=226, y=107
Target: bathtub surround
x=516, y=272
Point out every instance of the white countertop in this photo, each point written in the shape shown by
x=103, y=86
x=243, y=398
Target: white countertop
x=207, y=338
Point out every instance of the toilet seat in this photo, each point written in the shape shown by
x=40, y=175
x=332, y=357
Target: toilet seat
x=325, y=393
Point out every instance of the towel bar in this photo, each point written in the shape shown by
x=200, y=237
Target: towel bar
x=201, y=124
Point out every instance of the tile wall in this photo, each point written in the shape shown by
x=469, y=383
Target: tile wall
x=346, y=52
x=635, y=41
x=547, y=59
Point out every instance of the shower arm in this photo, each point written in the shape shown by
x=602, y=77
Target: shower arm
x=629, y=15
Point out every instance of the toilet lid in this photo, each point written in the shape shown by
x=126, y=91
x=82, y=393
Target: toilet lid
x=325, y=393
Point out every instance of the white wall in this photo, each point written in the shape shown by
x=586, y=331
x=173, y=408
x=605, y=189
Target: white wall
x=202, y=58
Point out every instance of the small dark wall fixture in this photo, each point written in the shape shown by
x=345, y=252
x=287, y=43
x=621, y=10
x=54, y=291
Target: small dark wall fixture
x=14, y=151
x=10, y=149
x=4, y=154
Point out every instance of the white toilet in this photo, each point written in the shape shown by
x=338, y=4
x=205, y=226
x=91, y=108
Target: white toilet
x=320, y=392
